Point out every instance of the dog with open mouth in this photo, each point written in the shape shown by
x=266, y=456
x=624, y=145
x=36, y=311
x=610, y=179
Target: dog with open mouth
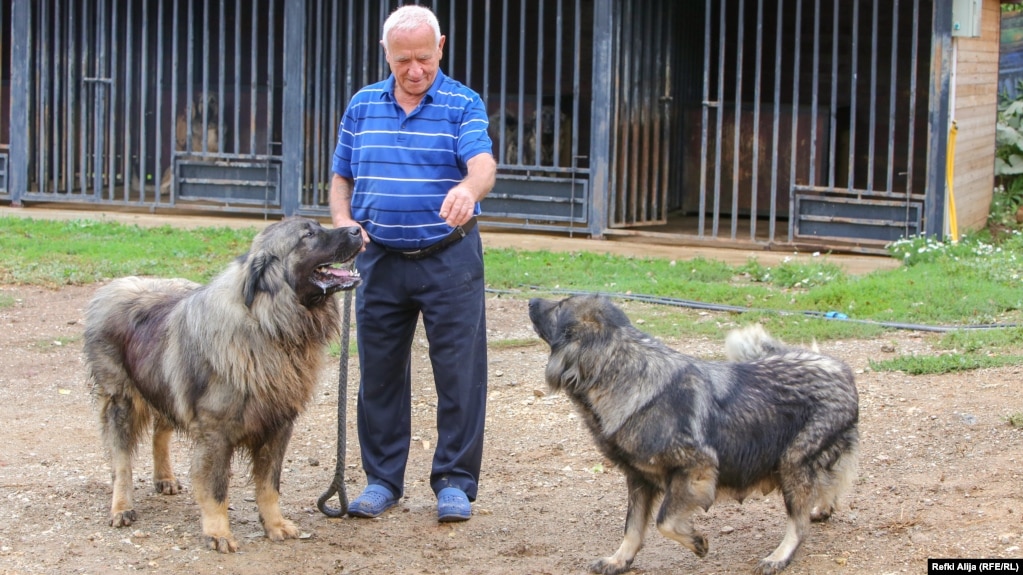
x=231, y=364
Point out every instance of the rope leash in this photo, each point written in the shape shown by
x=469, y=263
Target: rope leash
x=337, y=485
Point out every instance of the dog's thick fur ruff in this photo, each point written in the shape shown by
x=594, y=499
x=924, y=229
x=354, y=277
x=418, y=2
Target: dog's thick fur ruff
x=231, y=364
x=691, y=430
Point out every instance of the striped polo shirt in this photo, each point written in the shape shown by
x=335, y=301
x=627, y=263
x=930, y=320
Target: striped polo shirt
x=404, y=165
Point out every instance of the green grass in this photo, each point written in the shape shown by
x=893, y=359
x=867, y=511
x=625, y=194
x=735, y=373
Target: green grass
x=974, y=282
x=55, y=253
x=944, y=363
x=513, y=343
x=54, y=342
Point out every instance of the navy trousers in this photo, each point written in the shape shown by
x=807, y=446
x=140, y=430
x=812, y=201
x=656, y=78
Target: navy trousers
x=447, y=289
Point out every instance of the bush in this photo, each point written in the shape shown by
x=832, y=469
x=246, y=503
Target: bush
x=1008, y=159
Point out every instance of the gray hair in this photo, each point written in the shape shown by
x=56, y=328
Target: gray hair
x=410, y=17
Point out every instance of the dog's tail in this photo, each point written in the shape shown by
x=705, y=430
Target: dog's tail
x=753, y=342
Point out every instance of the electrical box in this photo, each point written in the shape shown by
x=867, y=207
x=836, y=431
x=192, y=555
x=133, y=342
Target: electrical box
x=966, y=18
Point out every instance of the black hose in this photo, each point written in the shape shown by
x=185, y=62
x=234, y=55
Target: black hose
x=677, y=302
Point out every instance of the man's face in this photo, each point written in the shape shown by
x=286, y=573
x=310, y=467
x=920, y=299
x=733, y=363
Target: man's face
x=414, y=58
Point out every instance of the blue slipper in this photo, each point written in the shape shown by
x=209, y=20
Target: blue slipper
x=373, y=501
x=453, y=505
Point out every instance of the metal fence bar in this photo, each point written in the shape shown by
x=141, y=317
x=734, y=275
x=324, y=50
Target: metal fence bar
x=776, y=127
x=559, y=54
x=503, y=83
x=815, y=97
x=42, y=99
x=253, y=75
x=892, y=98
x=468, y=40
x=623, y=111
x=312, y=132
x=576, y=81
x=538, y=97
x=143, y=85
x=221, y=75
x=645, y=193
x=126, y=140
x=21, y=48
x=657, y=100
x=853, y=78
x=486, y=72
x=521, y=114
x=757, y=104
x=189, y=76
x=100, y=88
x=872, y=137
x=56, y=136
x=740, y=36
x=111, y=124
x=293, y=62
x=833, y=121
x=270, y=76
x=603, y=27
x=704, y=118
x=914, y=59
x=236, y=124
x=86, y=93
x=720, y=116
x=795, y=114
x=4, y=104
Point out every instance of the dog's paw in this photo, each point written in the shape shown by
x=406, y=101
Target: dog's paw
x=766, y=567
x=610, y=566
x=822, y=513
x=123, y=518
x=281, y=530
x=700, y=545
x=169, y=486
x=221, y=543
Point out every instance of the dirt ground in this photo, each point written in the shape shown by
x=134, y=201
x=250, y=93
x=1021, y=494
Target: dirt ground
x=941, y=474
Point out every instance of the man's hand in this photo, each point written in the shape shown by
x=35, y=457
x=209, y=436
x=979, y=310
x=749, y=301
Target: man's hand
x=460, y=203
x=458, y=206
x=341, y=205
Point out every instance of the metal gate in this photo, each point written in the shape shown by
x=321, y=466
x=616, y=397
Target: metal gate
x=771, y=121
x=813, y=112
x=5, y=96
x=234, y=105
x=644, y=135
x=162, y=102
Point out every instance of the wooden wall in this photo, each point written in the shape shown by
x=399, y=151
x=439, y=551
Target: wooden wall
x=975, y=113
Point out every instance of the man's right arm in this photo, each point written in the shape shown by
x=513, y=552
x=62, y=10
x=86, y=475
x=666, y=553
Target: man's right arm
x=341, y=203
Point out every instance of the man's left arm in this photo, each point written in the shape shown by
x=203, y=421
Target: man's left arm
x=460, y=203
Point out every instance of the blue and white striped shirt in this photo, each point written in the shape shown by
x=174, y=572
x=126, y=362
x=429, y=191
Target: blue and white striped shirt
x=403, y=166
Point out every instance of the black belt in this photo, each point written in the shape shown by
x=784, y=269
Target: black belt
x=455, y=235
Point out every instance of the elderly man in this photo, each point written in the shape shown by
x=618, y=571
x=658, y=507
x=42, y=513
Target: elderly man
x=412, y=161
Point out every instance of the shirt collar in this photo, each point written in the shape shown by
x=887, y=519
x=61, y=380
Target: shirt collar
x=431, y=94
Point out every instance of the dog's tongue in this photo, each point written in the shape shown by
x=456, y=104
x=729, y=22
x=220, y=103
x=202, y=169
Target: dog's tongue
x=337, y=272
x=327, y=277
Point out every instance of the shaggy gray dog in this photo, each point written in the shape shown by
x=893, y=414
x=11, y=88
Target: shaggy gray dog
x=231, y=364
x=690, y=431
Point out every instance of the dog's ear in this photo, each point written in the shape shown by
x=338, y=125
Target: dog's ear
x=261, y=276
